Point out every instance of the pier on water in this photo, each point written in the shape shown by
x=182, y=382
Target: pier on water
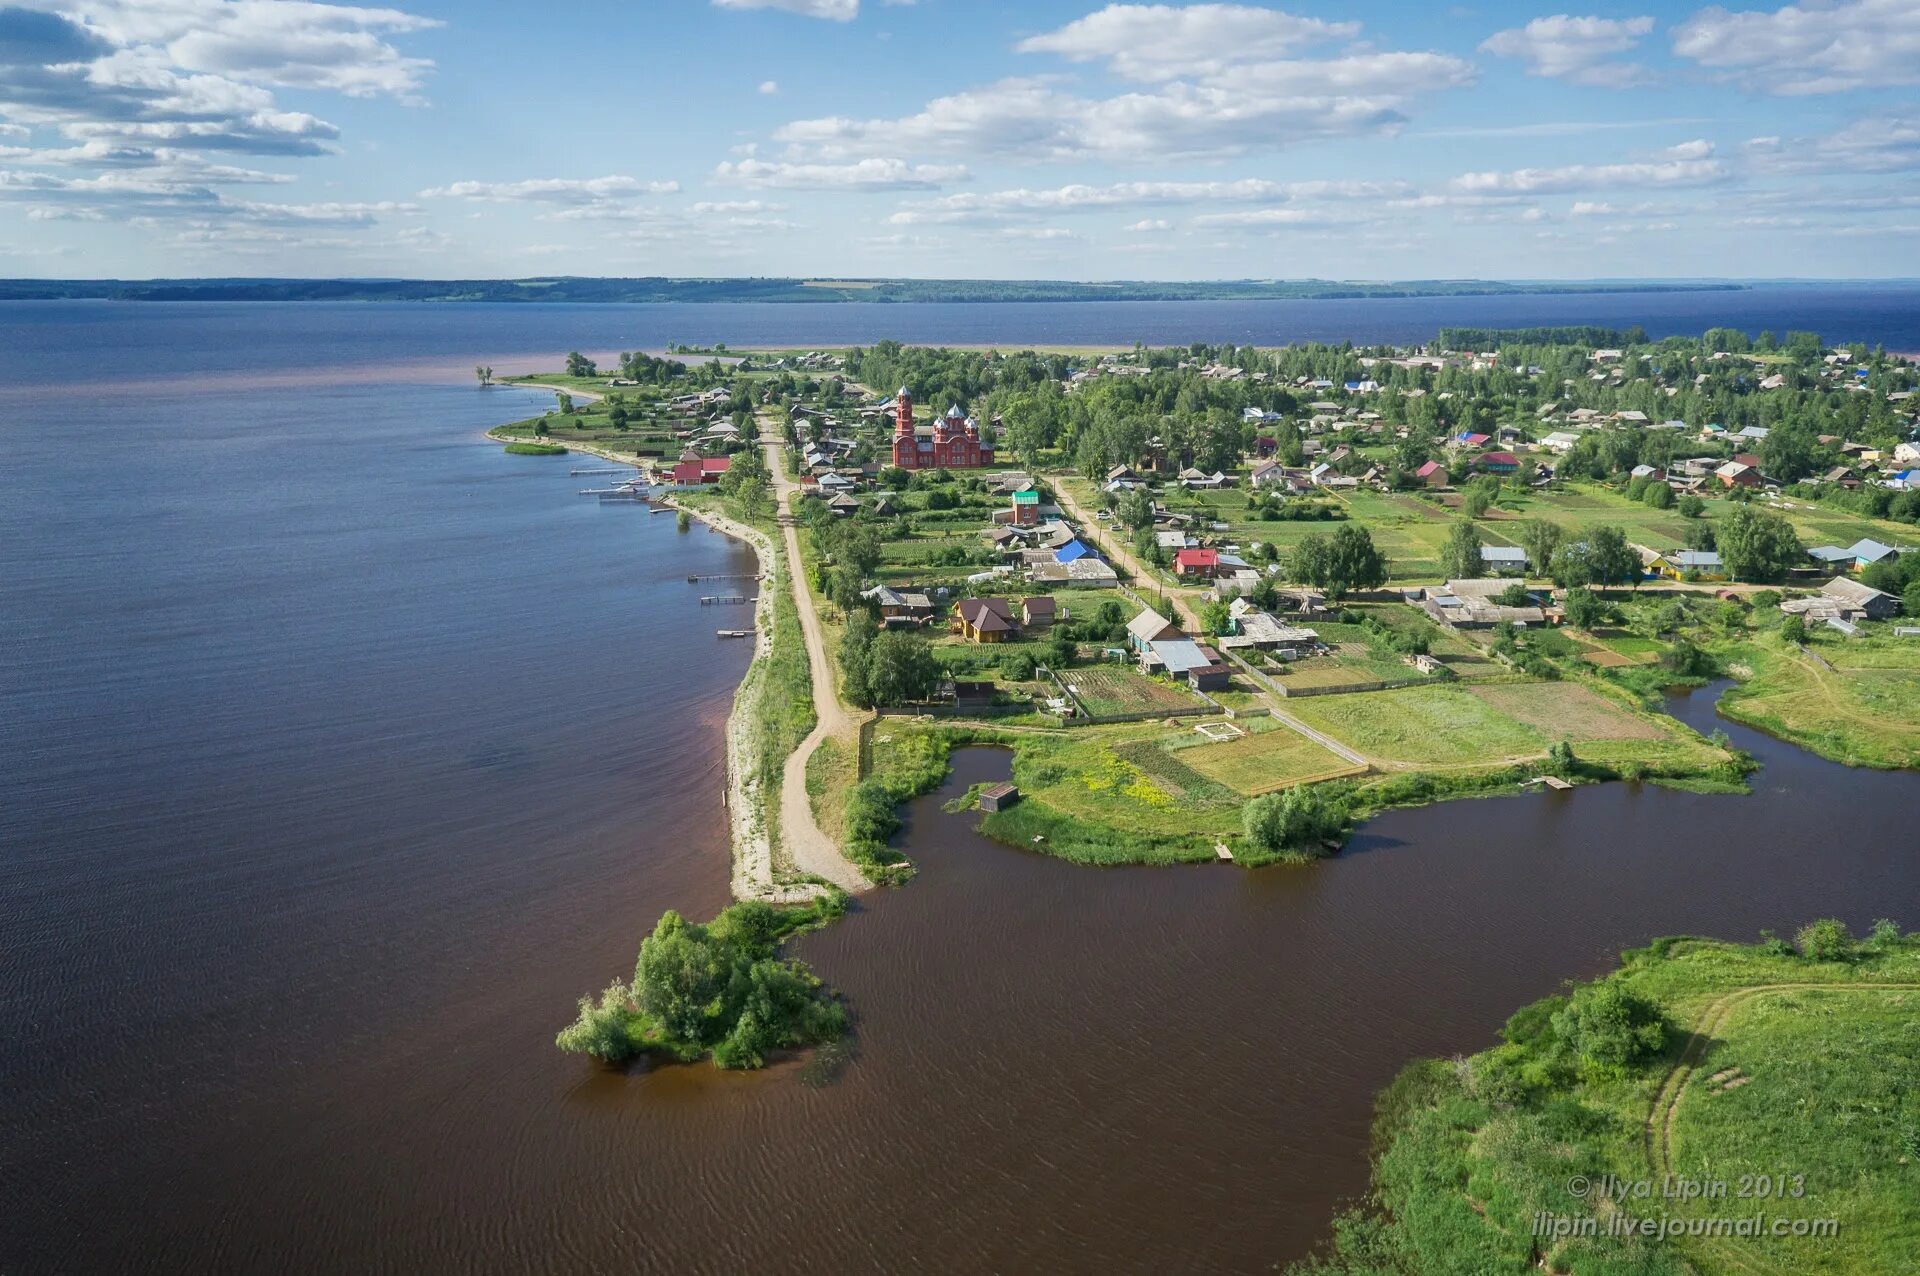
x=691, y=580
x=726, y=600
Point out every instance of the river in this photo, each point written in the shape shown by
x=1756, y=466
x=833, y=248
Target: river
x=342, y=752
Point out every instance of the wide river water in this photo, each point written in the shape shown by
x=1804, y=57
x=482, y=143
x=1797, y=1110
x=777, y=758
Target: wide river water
x=339, y=752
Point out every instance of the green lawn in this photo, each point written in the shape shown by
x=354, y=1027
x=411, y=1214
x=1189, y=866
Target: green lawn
x=1440, y=726
x=1864, y=711
x=1772, y=1071
x=1272, y=758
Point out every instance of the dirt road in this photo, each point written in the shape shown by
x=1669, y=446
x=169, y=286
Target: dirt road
x=812, y=850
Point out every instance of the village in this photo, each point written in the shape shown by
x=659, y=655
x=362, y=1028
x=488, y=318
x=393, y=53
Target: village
x=1422, y=572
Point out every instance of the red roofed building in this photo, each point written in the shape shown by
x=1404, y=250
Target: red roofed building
x=1497, y=462
x=951, y=443
x=1196, y=562
x=707, y=469
x=1433, y=474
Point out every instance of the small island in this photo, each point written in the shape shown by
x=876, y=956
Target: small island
x=1223, y=603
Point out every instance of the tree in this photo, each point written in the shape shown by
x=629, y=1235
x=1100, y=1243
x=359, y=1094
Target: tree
x=1793, y=629
x=578, y=365
x=856, y=648
x=1352, y=562
x=484, y=375
x=1560, y=759
x=1757, y=544
x=1691, y=506
x=900, y=668
x=1215, y=619
x=1658, y=495
x=1460, y=558
x=1299, y=820
x=1583, y=608
x=540, y=429
x=1610, y=558
x=1610, y=1029
x=1910, y=598
x=1541, y=538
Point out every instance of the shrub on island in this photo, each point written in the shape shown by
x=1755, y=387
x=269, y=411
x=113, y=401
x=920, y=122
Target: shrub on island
x=718, y=990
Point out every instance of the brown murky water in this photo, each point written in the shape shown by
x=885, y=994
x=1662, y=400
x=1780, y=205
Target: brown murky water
x=332, y=770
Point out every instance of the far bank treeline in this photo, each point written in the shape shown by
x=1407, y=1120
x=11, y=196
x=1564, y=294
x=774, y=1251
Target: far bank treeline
x=576, y=289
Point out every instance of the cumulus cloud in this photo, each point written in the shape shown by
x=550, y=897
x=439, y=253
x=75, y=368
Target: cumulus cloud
x=1581, y=50
x=1249, y=109
x=1584, y=177
x=769, y=87
x=144, y=90
x=1162, y=42
x=1216, y=80
x=1265, y=219
x=1815, y=48
x=832, y=10
x=1150, y=226
x=871, y=174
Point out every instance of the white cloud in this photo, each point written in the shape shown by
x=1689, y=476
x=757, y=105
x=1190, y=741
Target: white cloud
x=1163, y=42
x=769, y=87
x=1876, y=144
x=1264, y=219
x=554, y=190
x=1041, y=233
x=832, y=10
x=872, y=174
x=1249, y=109
x=1699, y=148
x=1580, y=177
x=1813, y=48
x=1150, y=226
x=736, y=207
x=998, y=205
x=1580, y=50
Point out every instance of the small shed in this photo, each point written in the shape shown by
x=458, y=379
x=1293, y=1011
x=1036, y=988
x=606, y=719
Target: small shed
x=997, y=797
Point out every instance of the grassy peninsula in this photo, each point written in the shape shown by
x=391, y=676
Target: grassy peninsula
x=1614, y=1127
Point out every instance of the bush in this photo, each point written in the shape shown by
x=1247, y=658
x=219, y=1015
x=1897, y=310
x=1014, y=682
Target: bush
x=1825, y=940
x=1611, y=1030
x=1298, y=821
x=535, y=449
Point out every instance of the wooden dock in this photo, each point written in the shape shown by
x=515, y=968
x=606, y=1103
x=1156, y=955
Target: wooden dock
x=1221, y=852
x=1550, y=781
x=726, y=600
x=733, y=633
x=692, y=580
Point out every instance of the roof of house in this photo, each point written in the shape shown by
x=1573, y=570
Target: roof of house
x=1499, y=458
x=1852, y=592
x=1026, y=496
x=1196, y=558
x=1039, y=605
x=1431, y=467
x=1502, y=554
x=1694, y=558
x=1148, y=625
x=1071, y=550
x=986, y=615
x=1179, y=654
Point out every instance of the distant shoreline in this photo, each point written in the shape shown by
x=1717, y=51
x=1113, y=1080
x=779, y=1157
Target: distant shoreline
x=797, y=291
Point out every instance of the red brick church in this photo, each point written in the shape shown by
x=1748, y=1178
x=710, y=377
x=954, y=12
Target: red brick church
x=951, y=443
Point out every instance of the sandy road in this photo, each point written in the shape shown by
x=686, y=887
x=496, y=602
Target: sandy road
x=812, y=850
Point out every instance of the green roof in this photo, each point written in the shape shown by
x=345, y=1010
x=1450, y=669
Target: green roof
x=1026, y=496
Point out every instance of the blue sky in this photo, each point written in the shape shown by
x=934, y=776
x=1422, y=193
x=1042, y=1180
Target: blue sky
x=940, y=138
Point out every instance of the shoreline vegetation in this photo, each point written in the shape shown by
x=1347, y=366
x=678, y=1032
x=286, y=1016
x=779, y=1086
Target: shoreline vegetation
x=801, y=291
x=1708, y=1106
x=1356, y=494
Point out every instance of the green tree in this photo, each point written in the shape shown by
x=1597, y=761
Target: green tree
x=1300, y=820
x=856, y=651
x=1583, y=608
x=1757, y=544
x=901, y=667
x=1611, y=1030
x=484, y=375
x=1460, y=557
x=1691, y=506
x=578, y=365
x=1541, y=537
x=1610, y=558
x=1658, y=495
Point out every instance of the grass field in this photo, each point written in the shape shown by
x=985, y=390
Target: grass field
x=1863, y=711
x=1261, y=762
x=1778, y=1071
x=1496, y=724
x=1579, y=506
x=1443, y=726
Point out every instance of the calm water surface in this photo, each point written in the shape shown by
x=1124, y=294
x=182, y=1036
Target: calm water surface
x=339, y=752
